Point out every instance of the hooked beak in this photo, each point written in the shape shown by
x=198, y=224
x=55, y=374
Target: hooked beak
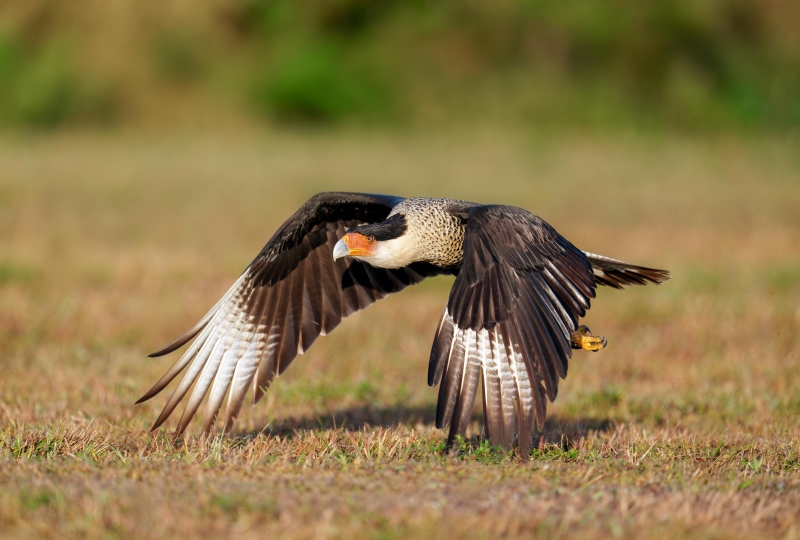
x=340, y=250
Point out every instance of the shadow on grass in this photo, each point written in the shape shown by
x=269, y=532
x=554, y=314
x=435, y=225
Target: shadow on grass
x=350, y=419
x=563, y=432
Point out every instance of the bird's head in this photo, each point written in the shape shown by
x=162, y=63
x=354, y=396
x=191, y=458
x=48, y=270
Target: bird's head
x=379, y=244
x=354, y=244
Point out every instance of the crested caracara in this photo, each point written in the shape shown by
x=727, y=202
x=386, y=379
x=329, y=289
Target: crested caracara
x=511, y=320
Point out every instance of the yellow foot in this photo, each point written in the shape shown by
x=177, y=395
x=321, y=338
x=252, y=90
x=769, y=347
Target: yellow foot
x=582, y=338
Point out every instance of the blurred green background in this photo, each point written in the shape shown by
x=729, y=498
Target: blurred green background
x=149, y=149
x=671, y=64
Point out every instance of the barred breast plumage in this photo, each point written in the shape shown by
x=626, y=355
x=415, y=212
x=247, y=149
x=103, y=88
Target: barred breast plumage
x=438, y=234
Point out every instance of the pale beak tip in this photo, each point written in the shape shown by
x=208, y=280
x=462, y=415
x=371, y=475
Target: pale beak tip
x=340, y=250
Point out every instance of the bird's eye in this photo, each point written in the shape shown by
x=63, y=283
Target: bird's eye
x=369, y=239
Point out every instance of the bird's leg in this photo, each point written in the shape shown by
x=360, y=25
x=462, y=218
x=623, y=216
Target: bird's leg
x=582, y=338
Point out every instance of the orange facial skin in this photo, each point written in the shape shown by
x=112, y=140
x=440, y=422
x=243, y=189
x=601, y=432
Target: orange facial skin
x=358, y=244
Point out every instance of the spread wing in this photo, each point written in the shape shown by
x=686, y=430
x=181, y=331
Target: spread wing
x=508, y=322
x=291, y=293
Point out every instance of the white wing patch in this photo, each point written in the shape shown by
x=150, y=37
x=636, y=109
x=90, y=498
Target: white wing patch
x=508, y=395
x=225, y=357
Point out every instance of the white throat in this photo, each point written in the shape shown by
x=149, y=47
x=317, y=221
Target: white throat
x=395, y=253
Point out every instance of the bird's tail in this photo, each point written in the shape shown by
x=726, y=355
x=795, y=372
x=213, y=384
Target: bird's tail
x=617, y=274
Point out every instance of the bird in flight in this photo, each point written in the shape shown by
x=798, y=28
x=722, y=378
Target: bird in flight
x=510, y=322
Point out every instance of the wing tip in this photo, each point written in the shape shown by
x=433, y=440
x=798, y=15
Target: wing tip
x=431, y=379
x=157, y=424
x=177, y=344
x=666, y=275
x=154, y=391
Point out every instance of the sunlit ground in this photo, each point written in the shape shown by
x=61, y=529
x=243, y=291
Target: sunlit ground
x=112, y=245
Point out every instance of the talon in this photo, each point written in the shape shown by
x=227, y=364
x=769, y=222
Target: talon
x=582, y=338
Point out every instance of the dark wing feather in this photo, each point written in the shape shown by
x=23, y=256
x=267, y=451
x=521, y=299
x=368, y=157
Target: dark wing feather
x=290, y=294
x=509, y=318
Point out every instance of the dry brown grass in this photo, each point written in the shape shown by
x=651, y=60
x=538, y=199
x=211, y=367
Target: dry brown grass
x=687, y=424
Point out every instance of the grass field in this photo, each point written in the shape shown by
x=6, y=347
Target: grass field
x=687, y=423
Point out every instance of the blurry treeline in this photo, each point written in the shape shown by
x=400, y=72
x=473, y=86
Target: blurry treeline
x=669, y=63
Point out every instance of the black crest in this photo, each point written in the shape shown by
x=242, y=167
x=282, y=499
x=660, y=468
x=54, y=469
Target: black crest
x=393, y=227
